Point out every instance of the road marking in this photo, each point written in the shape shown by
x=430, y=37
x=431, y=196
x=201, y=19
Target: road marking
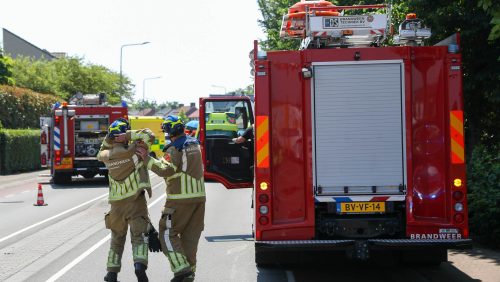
x=51, y=218
x=289, y=276
x=58, y=215
x=26, y=191
x=94, y=247
x=10, y=195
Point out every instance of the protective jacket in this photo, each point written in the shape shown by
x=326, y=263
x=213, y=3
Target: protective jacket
x=128, y=177
x=182, y=169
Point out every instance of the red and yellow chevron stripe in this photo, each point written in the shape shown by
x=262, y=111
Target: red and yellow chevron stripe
x=262, y=141
x=457, y=137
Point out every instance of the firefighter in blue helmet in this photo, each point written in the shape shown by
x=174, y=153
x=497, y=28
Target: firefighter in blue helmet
x=128, y=179
x=183, y=215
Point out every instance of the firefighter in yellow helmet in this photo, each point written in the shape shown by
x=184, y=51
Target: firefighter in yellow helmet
x=128, y=179
x=183, y=215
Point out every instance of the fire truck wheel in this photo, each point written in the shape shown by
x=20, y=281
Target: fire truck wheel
x=61, y=177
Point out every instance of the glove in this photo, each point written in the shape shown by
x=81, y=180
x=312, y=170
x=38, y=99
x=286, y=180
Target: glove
x=154, y=242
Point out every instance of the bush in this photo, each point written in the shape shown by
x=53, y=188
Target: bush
x=484, y=194
x=19, y=150
x=22, y=108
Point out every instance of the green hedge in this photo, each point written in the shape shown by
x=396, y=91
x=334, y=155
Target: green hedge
x=22, y=108
x=19, y=150
x=484, y=194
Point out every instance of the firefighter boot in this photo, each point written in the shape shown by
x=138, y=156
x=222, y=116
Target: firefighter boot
x=111, y=277
x=140, y=272
x=185, y=277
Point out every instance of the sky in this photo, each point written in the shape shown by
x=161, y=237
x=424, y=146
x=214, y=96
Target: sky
x=197, y=48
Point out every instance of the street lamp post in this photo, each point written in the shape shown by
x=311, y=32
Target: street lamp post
x=144, y=86
x=219, y=86
x=121, y=61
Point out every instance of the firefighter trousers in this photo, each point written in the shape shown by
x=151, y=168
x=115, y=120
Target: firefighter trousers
x=125, y=213
x=181, y=225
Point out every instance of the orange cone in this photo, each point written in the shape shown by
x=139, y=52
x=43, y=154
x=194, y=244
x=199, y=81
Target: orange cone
x=40, y=201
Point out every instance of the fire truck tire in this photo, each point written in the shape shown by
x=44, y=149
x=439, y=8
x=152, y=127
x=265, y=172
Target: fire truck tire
x=61, y=177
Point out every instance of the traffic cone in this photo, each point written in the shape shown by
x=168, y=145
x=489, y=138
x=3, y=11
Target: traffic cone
x=39, y=200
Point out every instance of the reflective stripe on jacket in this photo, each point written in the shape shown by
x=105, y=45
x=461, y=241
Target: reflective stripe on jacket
x=127, y=174
x=119, y=190
x=183, y=172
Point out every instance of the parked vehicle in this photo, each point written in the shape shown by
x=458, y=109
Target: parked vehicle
x=153, y=123
x=72, y=135
x=359, y=147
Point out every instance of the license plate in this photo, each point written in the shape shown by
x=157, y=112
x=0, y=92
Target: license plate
x=362, y=207
x=66, y=161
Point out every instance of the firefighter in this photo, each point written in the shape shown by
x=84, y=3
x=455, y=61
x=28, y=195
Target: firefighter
x=128, y=179
x=182, y=219
x=247, y=135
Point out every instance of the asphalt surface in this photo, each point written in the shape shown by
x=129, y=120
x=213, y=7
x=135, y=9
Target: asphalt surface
x=66, y=241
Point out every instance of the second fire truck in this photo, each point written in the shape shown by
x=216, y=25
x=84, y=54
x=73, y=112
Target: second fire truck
x=71, y=136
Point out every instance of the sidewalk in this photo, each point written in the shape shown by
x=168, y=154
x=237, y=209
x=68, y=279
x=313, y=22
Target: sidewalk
x=480, y=262
x=10, y=180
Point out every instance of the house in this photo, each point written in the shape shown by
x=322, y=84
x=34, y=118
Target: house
x=143, y=112
x=15, y=46
x=194, y=115
x=188, y=110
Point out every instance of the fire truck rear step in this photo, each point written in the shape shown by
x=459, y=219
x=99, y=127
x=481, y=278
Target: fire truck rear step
x=372, y=243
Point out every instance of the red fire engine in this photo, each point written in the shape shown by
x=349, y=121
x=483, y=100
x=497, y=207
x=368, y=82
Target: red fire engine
x=71, y=136
x=358, y=147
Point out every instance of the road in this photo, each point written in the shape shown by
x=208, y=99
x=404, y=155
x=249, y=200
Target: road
x=66, y=241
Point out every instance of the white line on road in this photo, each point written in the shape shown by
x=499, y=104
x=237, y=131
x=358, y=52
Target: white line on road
x=26, y=191
x=58, y=215
x=93, y=248
x=51, y=218
x=10, y=195
x=289, y=276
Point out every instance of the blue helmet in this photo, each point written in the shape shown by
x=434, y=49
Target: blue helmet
x=173, y=126
x=117, y=127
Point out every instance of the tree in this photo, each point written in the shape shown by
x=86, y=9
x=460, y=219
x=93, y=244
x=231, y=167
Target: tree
x=272, y=13
x=67, y=76
x=5, y=69
x=145, y=104
x=492, y=9
x=183, y=117
x=245, y=91
x=169, y=105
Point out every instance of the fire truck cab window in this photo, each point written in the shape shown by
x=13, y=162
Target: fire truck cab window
x=225, y=120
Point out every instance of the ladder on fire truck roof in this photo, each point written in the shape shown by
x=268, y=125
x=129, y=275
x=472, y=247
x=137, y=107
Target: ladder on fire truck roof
x=330, y=27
